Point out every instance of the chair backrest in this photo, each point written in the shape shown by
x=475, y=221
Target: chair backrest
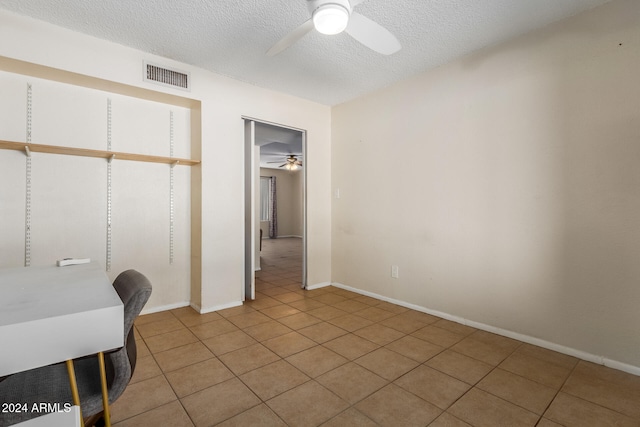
x=134, y=290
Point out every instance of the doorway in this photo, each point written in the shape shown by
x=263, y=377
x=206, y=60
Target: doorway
x=276, y=152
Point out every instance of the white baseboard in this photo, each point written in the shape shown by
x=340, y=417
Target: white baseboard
x=318, y=286
x=164, y=307
x=205, y=310
x=601, y=360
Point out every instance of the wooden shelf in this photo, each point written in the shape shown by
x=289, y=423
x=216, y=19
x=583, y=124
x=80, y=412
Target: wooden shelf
x=85, y=152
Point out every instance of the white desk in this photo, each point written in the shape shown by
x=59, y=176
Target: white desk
x=53, y=314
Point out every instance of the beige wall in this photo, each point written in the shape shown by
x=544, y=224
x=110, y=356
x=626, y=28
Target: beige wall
x=218, y=211
x=505, y=186
x=289, y=202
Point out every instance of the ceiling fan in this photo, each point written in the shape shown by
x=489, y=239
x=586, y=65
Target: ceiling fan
x=291, y=162
x=334, y=16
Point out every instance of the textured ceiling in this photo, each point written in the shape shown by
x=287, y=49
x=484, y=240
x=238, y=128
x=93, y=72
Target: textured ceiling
x=230, y=37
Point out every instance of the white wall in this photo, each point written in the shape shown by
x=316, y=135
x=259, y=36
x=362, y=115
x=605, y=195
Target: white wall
x=219, y=263
x=505, y=186
x=69, y=193
x=289, y=202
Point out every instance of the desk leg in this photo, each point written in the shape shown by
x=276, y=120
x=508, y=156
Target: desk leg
x=74, y=388
x=105, y=391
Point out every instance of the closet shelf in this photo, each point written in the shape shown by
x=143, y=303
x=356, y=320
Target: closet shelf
x=85, y=152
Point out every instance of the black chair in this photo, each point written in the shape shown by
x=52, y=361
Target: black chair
x=50, y=384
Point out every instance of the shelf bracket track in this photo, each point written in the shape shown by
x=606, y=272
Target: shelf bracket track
x=27, y=216
x=109, y=160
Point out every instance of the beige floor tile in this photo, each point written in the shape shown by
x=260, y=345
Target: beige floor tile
x=299, y=321
x=316, y=360
x=273, y=379
x=351, y=306
x=278, y=311
x=274, y=290
x=153, y=317
x=248, y=319
x=146, y=367
x=170, y=340
x=141, y=347
x=352, y=382
x=262, y=303
x=375, y=314
x=241, y=309
x=351, y=346
x=605, y=387
x=322, y=332
x=480, y=408
x=289, y=297
x=329, y=298
x=189, y=317
x=454, y=327
x=248, y=358
x=225, y=343
x=288, y=344
x=486, y=352
x=572, y=411
x=158, y=327
x=267, y=330
x=404, y=324
x=563, y=360
x=350, y=418
x=341, y=370
x=544, y=422
x=172, y=414
x=219, y=403
x=460, y=366
x=368, y=300
x=535, y=369
x=513, y=388
x=307, y=304
x=415, y=348
x=180, y=357
x=326, y=312
x=350, y=322
x=386, y=363
x=379, y=334
x=142, y=397
x=438, y=336
x=448, y=420
x=213, y=328
x=395, y=407
x=198, y=376
x=307, y=405
x=260, y=415
x=433, y=386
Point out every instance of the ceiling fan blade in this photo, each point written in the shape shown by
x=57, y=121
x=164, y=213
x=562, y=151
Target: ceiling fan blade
x=372, y=35
x=291, y=38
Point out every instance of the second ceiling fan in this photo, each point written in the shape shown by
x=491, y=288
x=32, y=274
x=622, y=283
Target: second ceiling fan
x=334, y=16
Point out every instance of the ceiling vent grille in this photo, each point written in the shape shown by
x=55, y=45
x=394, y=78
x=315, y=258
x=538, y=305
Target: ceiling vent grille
x=166, y=76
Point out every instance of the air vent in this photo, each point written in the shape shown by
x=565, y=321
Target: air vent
x=166, y=76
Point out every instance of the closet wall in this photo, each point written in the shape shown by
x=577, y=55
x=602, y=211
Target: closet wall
x=68, y=209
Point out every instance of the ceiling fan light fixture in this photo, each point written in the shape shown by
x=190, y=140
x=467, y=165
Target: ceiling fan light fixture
x=331, y=18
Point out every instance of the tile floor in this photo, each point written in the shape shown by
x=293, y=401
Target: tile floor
x=335, y=358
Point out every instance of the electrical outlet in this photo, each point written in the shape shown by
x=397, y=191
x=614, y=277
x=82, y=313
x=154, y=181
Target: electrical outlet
x=394, y=271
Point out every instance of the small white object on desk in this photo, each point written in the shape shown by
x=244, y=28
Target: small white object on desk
x=73, y=261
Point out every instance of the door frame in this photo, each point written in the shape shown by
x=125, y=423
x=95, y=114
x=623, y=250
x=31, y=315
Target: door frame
x=250, y=160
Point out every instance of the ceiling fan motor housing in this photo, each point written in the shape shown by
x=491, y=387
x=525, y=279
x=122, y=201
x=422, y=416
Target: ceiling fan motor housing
x=330, y=16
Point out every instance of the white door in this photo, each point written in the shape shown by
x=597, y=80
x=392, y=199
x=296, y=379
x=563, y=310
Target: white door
x=249, y=290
